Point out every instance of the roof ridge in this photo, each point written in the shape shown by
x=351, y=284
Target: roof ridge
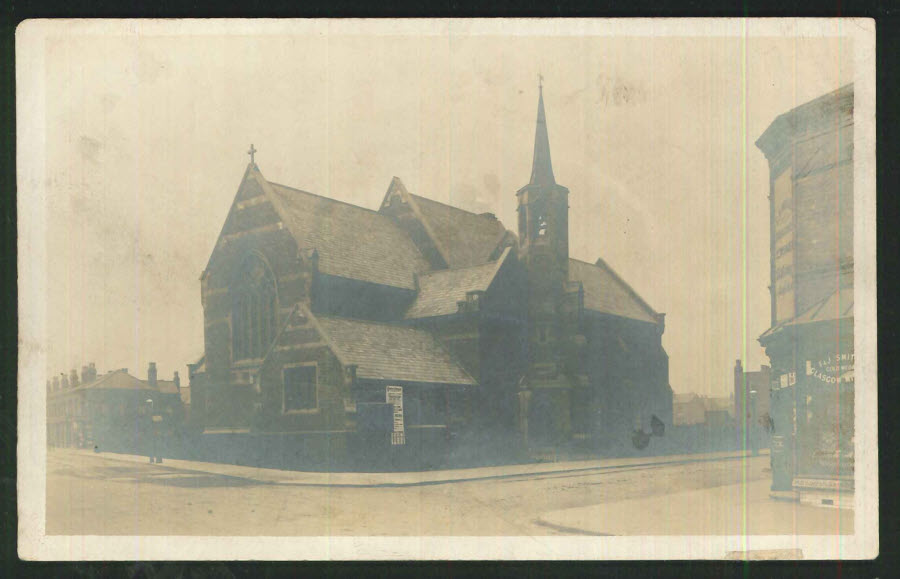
x=393, y=324
x=627, y=286
x=104, y=377
x=498, y=263
x=452, y=269
x=583, y=261
x=332, y=199
x=494, y=218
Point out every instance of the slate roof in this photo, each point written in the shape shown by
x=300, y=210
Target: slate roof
x=440, y=291
x=467, y=238
x=606, y=292
x=115, y=380
x=351, y=241
x=390, y=352
x=836, y=306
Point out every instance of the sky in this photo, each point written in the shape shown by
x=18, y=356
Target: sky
x=147, y=135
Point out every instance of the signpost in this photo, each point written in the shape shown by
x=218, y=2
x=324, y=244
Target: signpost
x=394, y=396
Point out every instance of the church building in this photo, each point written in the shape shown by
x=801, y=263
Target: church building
x=332, y=328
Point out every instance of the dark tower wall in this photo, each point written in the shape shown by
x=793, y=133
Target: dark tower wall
x=550, y=384
x=544, y=250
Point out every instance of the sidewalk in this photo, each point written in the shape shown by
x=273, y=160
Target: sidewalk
x=741, y=509
x=418, y=478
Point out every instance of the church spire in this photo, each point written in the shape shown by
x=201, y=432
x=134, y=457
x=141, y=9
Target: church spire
x=541, y=168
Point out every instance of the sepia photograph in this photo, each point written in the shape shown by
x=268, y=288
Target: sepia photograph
x=447, y=289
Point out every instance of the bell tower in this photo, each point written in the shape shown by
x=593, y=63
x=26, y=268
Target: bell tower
x=543, y=208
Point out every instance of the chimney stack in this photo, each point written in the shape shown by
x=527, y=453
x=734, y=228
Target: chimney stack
x=88, y=373
x=151, y=374
x=177, y=380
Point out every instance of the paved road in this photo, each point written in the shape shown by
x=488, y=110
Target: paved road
x=94, y=495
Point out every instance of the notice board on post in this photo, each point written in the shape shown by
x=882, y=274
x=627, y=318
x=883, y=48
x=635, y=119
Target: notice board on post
x=394, y=395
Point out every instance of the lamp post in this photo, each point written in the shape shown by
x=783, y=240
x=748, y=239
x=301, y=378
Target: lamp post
x=751, y=428
x=154, y=452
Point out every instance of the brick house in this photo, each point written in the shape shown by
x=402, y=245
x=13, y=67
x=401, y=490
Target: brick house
x=810, y=341
x=109, y=410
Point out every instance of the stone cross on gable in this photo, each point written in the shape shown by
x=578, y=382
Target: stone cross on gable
x=252, y=153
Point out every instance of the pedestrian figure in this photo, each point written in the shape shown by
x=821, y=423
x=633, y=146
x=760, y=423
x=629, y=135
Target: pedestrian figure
x=155, y=421
x=657, y=426
x=640, y=439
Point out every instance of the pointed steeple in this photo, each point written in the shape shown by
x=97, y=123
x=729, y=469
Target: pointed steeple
x=541, y=167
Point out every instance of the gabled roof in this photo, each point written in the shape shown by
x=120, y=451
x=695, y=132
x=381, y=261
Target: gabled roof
x=606, y=292
x=122, y=380
x=166, y=386
x=200, y=364
x=460, y=237
x=464, y=237
x=351, y=241
x=838, y=305
x=390, y=352
x=115, y=380
x=684, y=397
x=440, y=291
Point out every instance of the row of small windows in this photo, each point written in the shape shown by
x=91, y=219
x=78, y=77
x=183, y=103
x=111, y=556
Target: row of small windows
x=72, y=408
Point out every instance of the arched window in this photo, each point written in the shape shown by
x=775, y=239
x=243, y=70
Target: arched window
x=541, y=225
x=539, y=220
x=254, y=306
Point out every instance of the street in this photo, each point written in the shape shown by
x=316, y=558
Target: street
x=98, y=495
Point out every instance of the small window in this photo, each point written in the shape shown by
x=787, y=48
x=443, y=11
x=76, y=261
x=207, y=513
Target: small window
x=300, y=388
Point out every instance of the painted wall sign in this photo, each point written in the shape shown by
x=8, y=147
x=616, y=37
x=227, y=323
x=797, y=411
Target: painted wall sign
x=784, y=247
x=394, y=395
x=835, y=369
